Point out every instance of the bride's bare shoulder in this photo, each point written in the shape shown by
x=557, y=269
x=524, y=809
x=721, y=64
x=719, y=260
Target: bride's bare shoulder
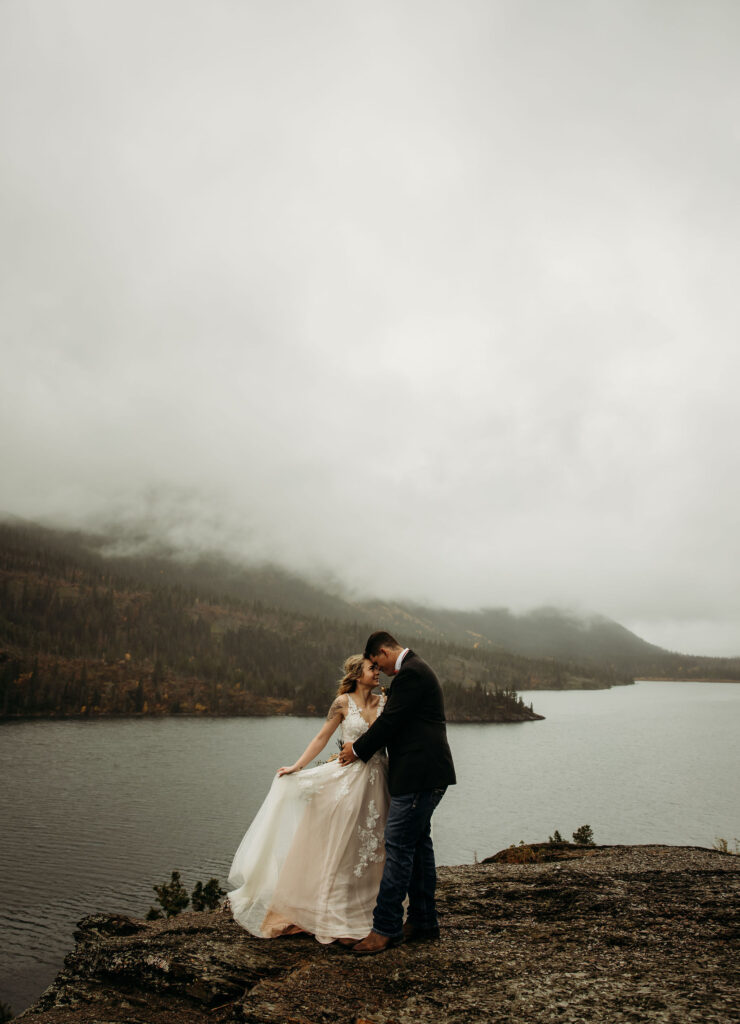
x=338, y=707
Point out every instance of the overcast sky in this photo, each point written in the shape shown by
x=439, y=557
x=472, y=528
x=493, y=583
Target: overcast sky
x=440, y=298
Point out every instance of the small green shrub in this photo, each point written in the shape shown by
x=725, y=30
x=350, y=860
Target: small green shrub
x=208, y=896
x=172, y=898
x=584, y=836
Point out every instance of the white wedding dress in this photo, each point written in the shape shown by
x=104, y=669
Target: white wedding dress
x=313, y=856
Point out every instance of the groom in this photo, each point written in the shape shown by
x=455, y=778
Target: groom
x=412, y=728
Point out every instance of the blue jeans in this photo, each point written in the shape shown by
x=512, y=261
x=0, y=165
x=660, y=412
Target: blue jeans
x=409, y=864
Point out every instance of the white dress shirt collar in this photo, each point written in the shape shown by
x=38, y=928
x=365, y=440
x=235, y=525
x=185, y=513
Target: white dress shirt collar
x=400, y=658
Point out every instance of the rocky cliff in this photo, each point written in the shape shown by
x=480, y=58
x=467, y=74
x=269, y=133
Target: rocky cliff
x=610, y=934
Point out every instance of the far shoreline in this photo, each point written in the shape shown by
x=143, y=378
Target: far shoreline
x=662, y=679
x=8, y=719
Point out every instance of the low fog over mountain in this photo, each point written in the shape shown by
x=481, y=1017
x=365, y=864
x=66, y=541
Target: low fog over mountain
x=436, y=301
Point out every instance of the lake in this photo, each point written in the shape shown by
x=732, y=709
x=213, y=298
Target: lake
x=94, y=813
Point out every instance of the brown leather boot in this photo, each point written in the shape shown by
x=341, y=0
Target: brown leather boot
x=375, y=943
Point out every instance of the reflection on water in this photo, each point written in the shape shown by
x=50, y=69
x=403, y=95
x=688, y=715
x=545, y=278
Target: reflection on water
x=95, y=813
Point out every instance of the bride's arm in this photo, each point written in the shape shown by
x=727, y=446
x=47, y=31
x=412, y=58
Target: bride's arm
x=336, y=713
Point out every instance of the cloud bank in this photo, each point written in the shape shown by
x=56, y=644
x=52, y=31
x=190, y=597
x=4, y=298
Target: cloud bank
x=438, y=298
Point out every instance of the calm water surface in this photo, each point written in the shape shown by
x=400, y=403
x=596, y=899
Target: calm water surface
x=95, y=813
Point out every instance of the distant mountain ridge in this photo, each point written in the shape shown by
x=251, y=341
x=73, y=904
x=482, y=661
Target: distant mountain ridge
x=544, y=634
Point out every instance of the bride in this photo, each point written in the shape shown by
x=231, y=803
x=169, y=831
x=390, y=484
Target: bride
x=313, y=857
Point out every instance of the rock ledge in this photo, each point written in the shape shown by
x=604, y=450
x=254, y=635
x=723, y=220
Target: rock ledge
x=610, y=934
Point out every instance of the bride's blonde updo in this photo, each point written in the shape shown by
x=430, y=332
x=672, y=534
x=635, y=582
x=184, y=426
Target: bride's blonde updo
x=352, y=672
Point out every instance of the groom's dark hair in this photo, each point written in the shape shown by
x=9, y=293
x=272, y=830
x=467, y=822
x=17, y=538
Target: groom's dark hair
x=377, y=640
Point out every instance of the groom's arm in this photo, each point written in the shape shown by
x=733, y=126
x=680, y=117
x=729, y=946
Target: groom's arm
x=401, y=703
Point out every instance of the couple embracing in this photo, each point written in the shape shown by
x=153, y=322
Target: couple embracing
x=334, y=851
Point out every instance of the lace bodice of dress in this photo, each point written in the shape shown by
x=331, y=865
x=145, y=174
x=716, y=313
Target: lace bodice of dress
x=354, y=725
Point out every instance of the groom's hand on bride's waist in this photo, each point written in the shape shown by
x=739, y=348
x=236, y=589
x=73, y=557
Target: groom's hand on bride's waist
x=347, y=755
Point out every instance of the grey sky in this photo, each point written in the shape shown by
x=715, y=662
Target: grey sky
x=437, y=297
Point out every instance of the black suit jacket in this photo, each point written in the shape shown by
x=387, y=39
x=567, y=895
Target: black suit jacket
x=412, y=727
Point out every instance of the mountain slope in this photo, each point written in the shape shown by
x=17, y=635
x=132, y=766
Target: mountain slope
x=264, y=634
x=84, y=634
x=545, y=632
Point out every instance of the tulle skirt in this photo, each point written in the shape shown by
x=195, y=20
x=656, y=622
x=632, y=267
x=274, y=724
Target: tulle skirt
x=313, y=857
